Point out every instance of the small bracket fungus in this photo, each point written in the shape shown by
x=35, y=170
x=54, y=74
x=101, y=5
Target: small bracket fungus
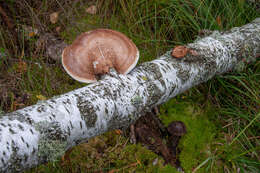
x=95, y=52
x=179, y=51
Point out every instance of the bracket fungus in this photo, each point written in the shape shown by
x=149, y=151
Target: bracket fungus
x=94, y=52
x=181, y=51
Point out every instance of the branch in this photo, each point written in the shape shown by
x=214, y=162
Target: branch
x=44, y=131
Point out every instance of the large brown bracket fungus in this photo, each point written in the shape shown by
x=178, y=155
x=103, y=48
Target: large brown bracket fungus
x=95, y=52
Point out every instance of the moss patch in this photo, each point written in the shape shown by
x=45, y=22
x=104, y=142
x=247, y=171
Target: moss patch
x=105, y=153
x=195, y=145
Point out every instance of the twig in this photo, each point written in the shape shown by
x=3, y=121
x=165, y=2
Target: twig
x=6, y=19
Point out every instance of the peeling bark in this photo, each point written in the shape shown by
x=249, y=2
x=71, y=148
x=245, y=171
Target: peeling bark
x=44, y=131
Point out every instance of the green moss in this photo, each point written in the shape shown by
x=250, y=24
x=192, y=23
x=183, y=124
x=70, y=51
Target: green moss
x=168, y=169
x=105, y=153
x=195, y=145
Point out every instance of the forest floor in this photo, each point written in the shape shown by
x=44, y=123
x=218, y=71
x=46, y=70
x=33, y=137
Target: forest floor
x=221, y=116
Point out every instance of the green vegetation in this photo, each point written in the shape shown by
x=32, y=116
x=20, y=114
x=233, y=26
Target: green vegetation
x=222, y=116
x=195, y=145
x=109, y=152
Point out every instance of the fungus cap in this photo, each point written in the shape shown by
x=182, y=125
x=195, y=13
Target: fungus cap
x=179, y=51
x=95, y=52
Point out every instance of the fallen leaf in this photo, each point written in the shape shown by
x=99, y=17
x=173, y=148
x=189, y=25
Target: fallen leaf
x=31, y=34
x=118, y=132
x=29, y=31
x=92, y=9
x=16, y=105
x=22, y=67
x=58, y=29
x=218, y=19
x=54, y=17
x=179, y=51
x=41, y=97
x=138, y=162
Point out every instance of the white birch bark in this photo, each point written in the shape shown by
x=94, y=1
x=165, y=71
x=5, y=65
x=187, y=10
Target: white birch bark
x=42, y=132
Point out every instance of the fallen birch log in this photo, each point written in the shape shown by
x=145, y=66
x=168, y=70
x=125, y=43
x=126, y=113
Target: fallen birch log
x=44, y=131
